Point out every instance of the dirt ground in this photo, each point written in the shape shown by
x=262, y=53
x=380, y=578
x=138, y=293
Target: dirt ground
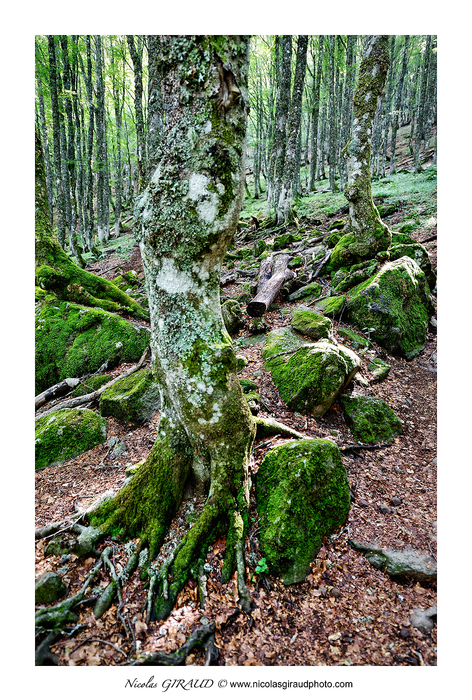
x=345, y=612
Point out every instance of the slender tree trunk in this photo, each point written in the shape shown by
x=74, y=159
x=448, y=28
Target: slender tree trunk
x=347, y=105
x=369, y=234
x=118, y=107
x=282, y=109
x=88, y=174
x=53, y=79
x=332, y=117
x=388, y=105
x=398, y=101
x=194, y=197
x=420, y=128
x=316, y=113
x=137, y=58
x=103, y=211
x=284, y=206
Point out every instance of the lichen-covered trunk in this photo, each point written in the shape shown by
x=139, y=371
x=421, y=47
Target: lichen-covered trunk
x=103, y=212
x=420, y=124
x=282, y=108
x=188, y=214
x=316, y=113
x=369, y=234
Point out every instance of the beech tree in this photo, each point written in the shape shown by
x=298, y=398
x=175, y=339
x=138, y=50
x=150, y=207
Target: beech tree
x=188, y=214
x=369, y=234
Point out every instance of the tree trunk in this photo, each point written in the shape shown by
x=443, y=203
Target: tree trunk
x=53, y=78
x=369, y=234
x=282, y=108
x=316, y=114
x=118, y=106
x=284, y=204
x=188, y=215
x=420, y=123
x=137, y=58
x=103, y=211
x=398, y=102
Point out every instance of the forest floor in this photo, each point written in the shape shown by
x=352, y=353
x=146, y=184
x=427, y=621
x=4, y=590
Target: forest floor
x=345, y=612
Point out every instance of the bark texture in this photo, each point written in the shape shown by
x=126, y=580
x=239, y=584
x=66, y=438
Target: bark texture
x=369, y=234
x=188, y=214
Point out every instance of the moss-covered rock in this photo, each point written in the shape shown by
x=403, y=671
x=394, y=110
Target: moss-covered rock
x=356, y=340
x=309, y=291
x=134, y=399
x=380, y=370
x=67, y=433
x=295, y=262
x=330, y=306
x=357, y=274
x=308, y=322
x=334, y=237
x=232, y=315
x=259, y=248
x=282, y=241
x=247, y=386
x=73, y=340
x=48, y=588
x=91, y=384
x=309, y=377
x=402, y=238
x=395, y=303
x=336, y=224
x=302, y=495
x=371, y=419
x=280, y=341
x=419, y=254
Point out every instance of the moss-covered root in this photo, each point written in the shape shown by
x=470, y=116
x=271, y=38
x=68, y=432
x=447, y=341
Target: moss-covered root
x=65, y=279
x=146, y=505
x=191, y=550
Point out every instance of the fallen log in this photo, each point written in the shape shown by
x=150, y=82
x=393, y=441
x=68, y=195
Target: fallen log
x=271, y=278
x=56, y=391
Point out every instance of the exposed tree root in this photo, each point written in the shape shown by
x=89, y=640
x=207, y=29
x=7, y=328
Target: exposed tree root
x=198, y=638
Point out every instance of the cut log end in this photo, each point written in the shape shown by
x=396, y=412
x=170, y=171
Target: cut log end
x=256, y=309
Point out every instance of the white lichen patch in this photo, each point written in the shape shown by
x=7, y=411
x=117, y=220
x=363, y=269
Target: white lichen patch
x=171, y=279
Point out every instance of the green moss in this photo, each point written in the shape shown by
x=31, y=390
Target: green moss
x=247, y=386
x=302, y=495
x=295, y=262
x=282, y=241
x=309, y=323
x=232, y=315
x=281, y=340
x=310, y=378
x=419, y=254
x=379, y=369
x=90, y=385
x=357, y=341
x=312, y=291
x=372, y=420
x=330, y=306
x=134, y=399
x=65, y=434
x=145, y=506
x=259, y=248
x=396, y=304
x=73, y=340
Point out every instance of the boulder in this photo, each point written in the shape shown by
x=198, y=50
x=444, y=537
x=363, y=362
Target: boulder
x=424, y=620
x=232, y=315
x=330, y=306
x=307, y=322
x=419, y=254
x=309, y=291
x=371, y=420
x=48, y=588
x=73, y=340
x=396, y=304
x=308, y=376
x=67, y=433
x=380, y=370
x=406, y=563
x=302, y=495
x=356, y=340
x=134, y=399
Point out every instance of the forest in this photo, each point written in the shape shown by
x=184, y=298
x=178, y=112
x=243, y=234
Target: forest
x=235, y=350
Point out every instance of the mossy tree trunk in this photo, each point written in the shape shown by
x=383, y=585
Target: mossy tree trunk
x=188, y=215
x=57, y=273
x=369, y=234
